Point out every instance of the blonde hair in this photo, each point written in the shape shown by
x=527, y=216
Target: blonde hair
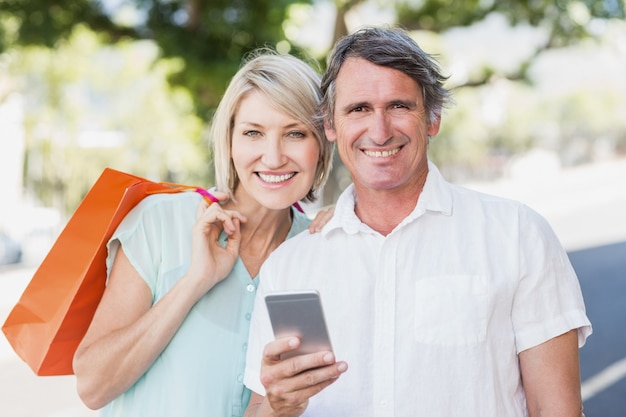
x=293, y=87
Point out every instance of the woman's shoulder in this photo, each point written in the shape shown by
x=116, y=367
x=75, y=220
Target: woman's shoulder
x=167, y=203
x=164, y=201
x=163, y=209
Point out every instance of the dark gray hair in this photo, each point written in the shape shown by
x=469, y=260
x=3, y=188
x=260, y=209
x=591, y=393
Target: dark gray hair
x=393, y=48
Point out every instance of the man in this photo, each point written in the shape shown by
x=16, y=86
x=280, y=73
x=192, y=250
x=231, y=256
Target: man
x=442, y=301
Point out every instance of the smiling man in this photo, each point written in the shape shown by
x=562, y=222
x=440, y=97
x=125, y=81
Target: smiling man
x=440, y=301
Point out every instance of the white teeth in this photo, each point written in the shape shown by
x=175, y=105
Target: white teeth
x=276, y=178
x=383, y=154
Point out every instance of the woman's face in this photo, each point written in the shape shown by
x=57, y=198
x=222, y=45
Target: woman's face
x=275, y=155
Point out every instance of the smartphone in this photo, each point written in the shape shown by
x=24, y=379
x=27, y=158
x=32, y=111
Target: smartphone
x=299, y=313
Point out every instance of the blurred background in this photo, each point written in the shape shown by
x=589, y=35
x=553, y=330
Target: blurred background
x=540, y=116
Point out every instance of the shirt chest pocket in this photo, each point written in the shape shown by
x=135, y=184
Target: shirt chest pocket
x=451, y=310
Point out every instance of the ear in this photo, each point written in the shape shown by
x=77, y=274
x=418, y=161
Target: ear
x=331, y=133
x=433, y=128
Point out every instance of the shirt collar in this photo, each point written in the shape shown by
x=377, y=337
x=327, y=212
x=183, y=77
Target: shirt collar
x=436, y=196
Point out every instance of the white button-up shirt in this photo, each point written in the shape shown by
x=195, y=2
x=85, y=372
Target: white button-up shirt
x=431, y=317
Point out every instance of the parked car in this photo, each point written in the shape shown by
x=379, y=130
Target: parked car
x=10, y=250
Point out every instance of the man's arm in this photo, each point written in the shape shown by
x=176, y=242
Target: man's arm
x=551, y=377
x=291, y=382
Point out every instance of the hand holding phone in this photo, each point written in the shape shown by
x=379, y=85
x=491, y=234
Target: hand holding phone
x=299, y=313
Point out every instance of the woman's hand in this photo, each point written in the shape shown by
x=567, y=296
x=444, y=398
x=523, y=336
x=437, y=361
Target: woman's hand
x=321, y=218
x=210, y=262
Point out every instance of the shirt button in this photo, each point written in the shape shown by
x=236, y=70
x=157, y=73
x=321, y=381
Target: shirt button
x=248, y=316
x=383, y=403
x=244, y=347
x=250, y=288
x=239, y=378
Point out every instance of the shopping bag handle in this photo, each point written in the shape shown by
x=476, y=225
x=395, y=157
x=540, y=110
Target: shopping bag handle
x=177, y=188
x=208, y=197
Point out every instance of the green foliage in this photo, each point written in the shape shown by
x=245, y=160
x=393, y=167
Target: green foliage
x=209, y=37
x=565, y=18
x=150, y=72
x=566, y=22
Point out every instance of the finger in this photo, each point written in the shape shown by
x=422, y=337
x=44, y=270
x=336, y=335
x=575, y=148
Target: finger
x=219, y=195
x=229, y=224
x=202, y=206
x=297, y=364
x=294, y=393
x=306, y=384
x=212, y=197
x=310, y=362
x=321, y=219
x=209, y=199
x=234, y=239
x=214, y=214
x=273, y=350
x=312, y=382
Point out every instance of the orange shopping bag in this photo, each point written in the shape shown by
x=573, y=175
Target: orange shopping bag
x=55, y=310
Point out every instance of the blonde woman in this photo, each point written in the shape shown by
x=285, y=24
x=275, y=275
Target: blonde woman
x=170, y=334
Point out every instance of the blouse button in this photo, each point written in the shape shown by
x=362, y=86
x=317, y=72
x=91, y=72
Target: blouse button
x=250, y=288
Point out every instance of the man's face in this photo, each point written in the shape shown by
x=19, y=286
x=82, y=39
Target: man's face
x=380, y=126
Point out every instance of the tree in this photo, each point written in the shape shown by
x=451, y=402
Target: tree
x=209, y=36
x=199, y=46
x=207, y=39
x=566, y=22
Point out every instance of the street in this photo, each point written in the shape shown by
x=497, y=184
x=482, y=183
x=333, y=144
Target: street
x=602, y=274
x=587, y=209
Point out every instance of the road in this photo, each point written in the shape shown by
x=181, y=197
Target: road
x=602, y=274
x=587, y=209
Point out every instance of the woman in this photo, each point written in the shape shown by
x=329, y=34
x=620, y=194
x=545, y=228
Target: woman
x=170, y=334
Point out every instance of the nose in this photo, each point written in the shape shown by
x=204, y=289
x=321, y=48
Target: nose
x=380, y=128
x=273, y=154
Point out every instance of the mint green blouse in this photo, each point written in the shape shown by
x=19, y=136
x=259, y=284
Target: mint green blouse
x=200, y=373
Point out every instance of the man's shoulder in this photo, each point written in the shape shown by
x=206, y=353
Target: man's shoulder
x=466, y=192
x=301, y=239
x=495, y=208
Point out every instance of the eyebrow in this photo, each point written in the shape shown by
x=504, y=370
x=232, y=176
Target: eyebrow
x=351, y=106
x=297, y=124
x=407, y=103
